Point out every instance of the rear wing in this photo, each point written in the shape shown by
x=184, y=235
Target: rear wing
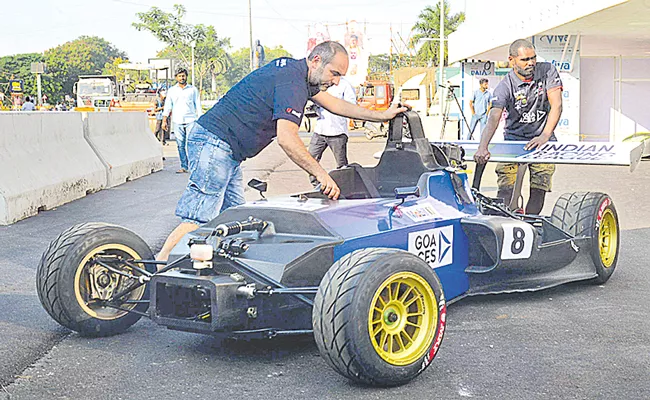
x=591, y=153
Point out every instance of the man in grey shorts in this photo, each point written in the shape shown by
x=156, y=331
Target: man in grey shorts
x=532, y=95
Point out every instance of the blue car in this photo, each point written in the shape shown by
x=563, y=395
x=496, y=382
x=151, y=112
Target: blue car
x=370, y=274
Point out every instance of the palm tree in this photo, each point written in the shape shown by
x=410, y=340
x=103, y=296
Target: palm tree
x=428, y=27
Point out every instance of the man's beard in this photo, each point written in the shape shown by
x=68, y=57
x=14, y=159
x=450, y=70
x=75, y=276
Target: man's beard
x=527, y=72
x=315, y=80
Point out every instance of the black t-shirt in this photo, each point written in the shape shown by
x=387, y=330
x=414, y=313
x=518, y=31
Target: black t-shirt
x=246, y=117
x=526, y=102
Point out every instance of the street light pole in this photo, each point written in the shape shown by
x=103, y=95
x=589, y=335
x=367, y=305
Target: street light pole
x=441, y=61
x=40, y=91
x=250, y=32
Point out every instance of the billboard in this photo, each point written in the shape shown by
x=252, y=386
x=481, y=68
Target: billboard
x=352, y=36
x=16, y=86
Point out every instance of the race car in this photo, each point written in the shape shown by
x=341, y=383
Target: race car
x=370, y=274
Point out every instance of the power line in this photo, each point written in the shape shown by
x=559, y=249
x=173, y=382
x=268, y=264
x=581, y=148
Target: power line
x=198, y=11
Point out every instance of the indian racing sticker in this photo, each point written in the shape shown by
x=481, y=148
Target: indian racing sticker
x=435, y=246
x=564, y=151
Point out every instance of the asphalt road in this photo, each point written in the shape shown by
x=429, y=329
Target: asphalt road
x=577, y=341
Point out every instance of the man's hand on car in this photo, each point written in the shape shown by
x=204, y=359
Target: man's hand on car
x=328, y=186
x=393, y=110
x=482, y=155
x=537, y=141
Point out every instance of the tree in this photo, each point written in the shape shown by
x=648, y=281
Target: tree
x=19, y=67
x=428, y=27
x=113, y=68
x=380, y=66
x=241, y=63
x=86, y=55
x=210, y=55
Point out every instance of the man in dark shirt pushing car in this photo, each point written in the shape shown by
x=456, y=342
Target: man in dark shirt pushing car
x=532, y=95
x=269, y=102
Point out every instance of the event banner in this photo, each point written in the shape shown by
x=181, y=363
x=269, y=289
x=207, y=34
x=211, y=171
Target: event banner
x=563, y=51
x=352, y=36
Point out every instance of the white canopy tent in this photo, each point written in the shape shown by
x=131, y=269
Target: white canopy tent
x=605, y=46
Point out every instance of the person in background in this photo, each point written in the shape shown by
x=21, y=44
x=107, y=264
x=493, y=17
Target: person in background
x=158, y=110
x=332, y=130
x=480, y=105
x=28, y=105
x=184, y=105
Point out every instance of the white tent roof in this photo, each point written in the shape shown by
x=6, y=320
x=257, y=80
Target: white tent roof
x=607, y=27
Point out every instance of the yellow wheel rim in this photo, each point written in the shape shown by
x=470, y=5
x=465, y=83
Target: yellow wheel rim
x=402, y=318
x=608, y=238
x=89, y=276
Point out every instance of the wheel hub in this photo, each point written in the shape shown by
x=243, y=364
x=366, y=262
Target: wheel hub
x=390, y=316
x=103, y=280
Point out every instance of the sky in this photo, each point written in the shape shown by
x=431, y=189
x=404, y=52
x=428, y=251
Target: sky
x=47, y=23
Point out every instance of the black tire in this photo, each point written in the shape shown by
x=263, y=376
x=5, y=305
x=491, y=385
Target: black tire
x=63, y=278
x=342, y=321
x=593, y=215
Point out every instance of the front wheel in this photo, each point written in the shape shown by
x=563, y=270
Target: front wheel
x=379, y=316
x=82, y=273
x=593, y=215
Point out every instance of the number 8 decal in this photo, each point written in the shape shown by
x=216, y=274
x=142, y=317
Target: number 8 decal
x=517, y=241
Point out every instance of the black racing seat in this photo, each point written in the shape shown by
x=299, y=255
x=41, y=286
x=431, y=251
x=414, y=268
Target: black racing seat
x=355, y=182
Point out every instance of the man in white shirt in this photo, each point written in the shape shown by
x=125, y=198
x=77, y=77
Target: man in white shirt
x=184, y=105
x=332, y=130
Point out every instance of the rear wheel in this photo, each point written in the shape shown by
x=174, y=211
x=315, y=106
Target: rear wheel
x=593, y=215
x=379, y=316
x=77, y=280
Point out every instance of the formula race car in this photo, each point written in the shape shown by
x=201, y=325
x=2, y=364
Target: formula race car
x=370, y=274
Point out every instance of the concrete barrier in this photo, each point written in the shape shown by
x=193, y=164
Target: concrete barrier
x=44, y=162
x=124, y=143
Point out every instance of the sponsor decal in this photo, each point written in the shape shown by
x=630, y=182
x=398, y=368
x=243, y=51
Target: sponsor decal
x=520, y=100
x=559, y=151
x=282, y=62
x=435, y=246
x=532, y=116
x=563, y=66
x=420, y=212
x=441, y=333
x=550, y=39
x=293, y=112
x=601, y=211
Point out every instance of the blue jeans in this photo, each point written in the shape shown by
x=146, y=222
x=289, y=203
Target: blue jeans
x=472, y=126
x=216, y=180
x=181, y=131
